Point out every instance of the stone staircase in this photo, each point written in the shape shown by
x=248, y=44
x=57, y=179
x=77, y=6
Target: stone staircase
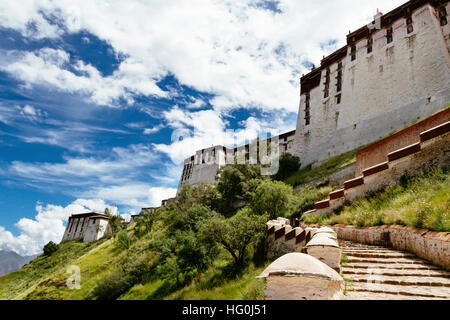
x=379, y=273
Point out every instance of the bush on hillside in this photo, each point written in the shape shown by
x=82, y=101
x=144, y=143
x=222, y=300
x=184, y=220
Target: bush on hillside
x=235, y=234
x=288, y=164
x=204, y=193
x=122, y=279
x=145, y=222
x=271, y=197
x=50, y=248
x=232, y=181
x=181, y=252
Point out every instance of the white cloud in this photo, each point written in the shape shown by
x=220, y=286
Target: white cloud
x=154, y=129
x=244, y=55
x=47, y=225
x=49, y=67
x=31, y=113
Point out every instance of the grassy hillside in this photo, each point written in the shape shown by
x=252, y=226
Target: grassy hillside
x=421, y=200
x=45, y=278
x=158, y=258
x=308, y=173
x=16, y=284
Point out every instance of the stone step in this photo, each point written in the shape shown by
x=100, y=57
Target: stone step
x=362, y=295
x=394, y=272
x=403, y=280
x=346, y=247
x=385, y=260
x=413, y=291
x=370, y=251
x=384, y=255
x=397, y=266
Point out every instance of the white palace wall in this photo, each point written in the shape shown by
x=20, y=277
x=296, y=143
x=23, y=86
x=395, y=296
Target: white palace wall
x=383, y=91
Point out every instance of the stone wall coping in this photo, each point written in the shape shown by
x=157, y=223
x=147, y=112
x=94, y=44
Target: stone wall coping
x=323, y=204
x=404, y=152
x=435, y=132
x=442, y=236
x=354, y=182
x=376, y=168
x=337, y=194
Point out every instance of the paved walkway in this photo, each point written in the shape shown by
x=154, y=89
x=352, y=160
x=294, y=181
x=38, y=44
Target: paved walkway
x=379, y=273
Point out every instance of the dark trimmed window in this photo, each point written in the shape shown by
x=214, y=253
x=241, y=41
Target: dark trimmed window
x=307, y=109
x=409, y=25
x=390, y=35
x=327, y=83
x=369, y=45
x=353, y=53
x=442, y=16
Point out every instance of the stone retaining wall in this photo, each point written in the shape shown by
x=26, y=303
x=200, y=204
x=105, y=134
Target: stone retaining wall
x=429, y=245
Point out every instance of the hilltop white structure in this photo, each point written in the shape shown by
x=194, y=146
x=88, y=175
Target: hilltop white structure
x=87, y=226
x=391, y=73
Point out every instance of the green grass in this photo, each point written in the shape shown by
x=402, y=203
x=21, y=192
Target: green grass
x=305, y=198
x=18, y=283
x=219, y=282
x=45, y=278
x=97, y=263
x=308, y=173
x=422, y=201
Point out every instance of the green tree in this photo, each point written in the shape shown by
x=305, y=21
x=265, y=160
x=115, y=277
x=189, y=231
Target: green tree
x=50, y=248
x=232, y=181
x=145, y=222
x=204, y=193
x=180, y=250
x=288, y=164
x=271, y=197
x=235, y=234
x=115, y=221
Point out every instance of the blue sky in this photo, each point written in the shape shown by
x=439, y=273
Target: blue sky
x=91, y=95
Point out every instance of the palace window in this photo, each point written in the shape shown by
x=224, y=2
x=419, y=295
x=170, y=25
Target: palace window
x=409, y=25
x=369, y=45
x=442, y=16
x=389, y=35
x=307, y=109
x=353, y=53
x=339, y=81
x=338, y=99
x=327, y=84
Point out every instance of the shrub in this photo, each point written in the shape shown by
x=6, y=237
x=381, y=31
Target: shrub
x=288, y=164
x=255, y=291
x=123, y=240
x=271, y=197
x=231, y=181
x=235, y=234
x=121, y=280
x=50, y=248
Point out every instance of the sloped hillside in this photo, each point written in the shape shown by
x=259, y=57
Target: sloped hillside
x=421, y=200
